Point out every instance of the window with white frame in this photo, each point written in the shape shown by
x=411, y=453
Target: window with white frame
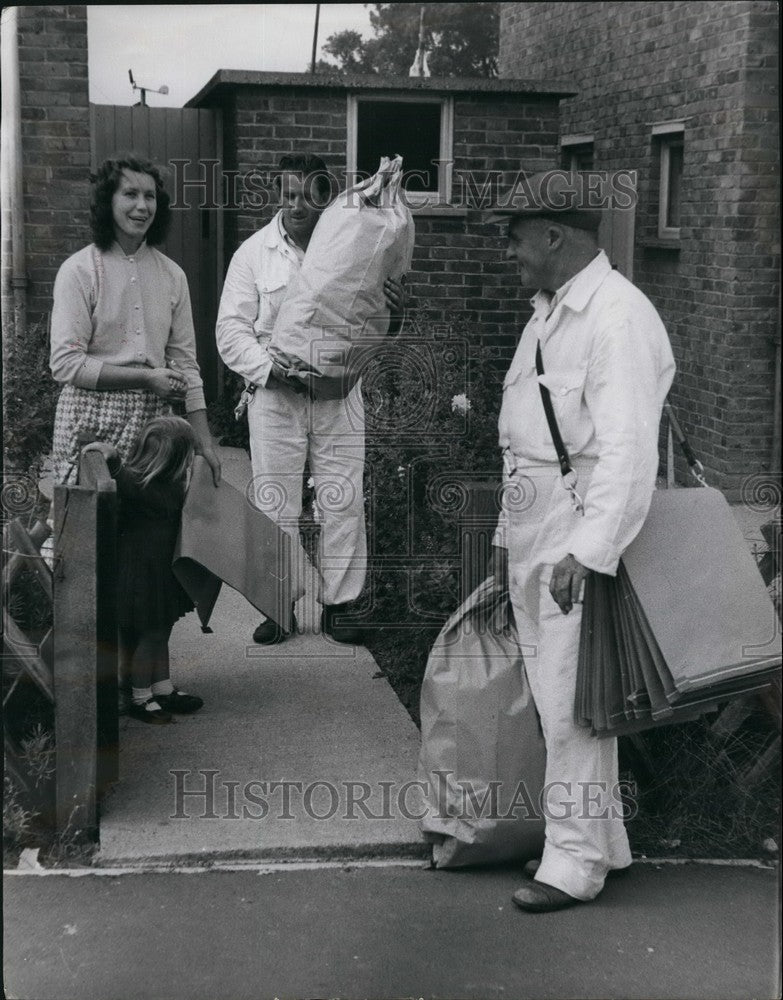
x=577, y=152
x=670, y=137
x=419, y=128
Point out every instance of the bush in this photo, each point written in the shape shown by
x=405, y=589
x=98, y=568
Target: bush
x=225, y=428
x=29, y=402
x=698, y=801
x=432, y=473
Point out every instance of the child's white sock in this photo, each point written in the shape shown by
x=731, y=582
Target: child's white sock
x=163, y=687
x=141, y=695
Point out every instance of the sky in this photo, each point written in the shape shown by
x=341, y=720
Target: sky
x=182, y=46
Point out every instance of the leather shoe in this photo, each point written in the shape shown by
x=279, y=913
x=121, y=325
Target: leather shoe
x=538, y=897
x=179, y=702
x=532, y=867
x=153, y=716
x=340, y=633
x=268, y=633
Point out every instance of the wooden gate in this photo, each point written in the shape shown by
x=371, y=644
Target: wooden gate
x=188, y=143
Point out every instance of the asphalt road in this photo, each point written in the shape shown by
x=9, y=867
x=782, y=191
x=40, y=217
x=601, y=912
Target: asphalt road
x=671, y=931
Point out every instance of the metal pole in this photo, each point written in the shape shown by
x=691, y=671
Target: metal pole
x=13, y=200
x=315, y=37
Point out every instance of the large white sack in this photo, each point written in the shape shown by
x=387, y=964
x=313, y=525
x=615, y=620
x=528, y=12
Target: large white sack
x=335, y=305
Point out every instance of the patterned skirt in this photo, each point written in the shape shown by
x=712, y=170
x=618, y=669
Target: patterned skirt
x=85, y=415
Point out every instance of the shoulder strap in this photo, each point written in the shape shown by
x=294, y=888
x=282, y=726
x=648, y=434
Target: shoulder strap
x=562, y=452
x=695, y=466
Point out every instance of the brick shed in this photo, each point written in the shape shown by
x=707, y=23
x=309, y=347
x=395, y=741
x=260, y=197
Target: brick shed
x=686, y=93
x=483, y=132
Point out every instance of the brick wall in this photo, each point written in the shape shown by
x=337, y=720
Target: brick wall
x=55, y=142
x=715, y=65
x=459, y=270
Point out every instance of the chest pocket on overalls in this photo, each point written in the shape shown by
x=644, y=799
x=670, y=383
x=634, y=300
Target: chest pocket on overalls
x=271, y=293
x=566, y=389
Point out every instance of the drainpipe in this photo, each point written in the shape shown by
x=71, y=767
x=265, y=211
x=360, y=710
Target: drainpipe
x=13, y=203
x=776, y=419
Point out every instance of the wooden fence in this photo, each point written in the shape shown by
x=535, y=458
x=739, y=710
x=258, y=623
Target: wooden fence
x=74, y=666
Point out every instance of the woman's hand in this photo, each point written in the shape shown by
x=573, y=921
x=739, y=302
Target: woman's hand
x=210, y=456
x=167, y=383
x=205, y=447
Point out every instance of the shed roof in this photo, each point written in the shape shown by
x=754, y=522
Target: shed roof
x=225, y=79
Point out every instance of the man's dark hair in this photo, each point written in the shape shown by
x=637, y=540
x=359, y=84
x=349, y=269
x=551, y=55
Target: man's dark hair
x=105, y=182
x=309, y=165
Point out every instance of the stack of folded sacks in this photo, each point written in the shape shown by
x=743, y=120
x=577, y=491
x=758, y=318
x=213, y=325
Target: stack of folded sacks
x=673, y=635
x=335, y=313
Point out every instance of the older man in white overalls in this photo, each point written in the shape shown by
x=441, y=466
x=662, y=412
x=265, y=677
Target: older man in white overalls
x=608, y=365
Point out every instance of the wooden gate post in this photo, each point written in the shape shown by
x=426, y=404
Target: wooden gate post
x=85, y=671
x=94, y=474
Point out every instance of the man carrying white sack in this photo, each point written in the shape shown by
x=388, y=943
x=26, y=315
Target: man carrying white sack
x=287, y=426
x=606, y=360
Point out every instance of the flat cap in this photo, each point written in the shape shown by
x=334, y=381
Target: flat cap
x=567, y=197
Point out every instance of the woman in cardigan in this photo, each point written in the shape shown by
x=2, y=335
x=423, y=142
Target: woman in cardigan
x=122, y=340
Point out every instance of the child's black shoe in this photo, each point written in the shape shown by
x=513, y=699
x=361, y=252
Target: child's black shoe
x=179, y=702
x=145, y=713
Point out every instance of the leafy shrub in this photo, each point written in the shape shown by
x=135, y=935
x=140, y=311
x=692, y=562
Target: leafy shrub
x=432, y=473
x=29, y=401
x=225, y=428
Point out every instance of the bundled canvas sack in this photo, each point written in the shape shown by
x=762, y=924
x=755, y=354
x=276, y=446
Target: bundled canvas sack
x=482, y=757
x=335, y=312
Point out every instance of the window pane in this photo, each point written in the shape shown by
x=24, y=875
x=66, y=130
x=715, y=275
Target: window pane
x=405, y=127
x=675, y=184
x=578, y=157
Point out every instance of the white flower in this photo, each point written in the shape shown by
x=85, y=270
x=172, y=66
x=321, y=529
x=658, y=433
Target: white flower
x=311, y=483
x=401, y=471
x=460, y=404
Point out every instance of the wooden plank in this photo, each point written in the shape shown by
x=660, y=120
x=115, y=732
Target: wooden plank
x=174, y=241
x=190, y=221
x=140, y=129
x=216, y=279
x=20, y=540
x=205, y=325
x=769, y=759
x=94, y=473
x=26, y=655
x=76, y=658
x=157, y=148
x=107, y=666
x=103, y=134
x=732, y=716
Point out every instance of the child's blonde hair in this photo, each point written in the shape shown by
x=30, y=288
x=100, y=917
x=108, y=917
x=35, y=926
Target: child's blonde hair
x=164, y=450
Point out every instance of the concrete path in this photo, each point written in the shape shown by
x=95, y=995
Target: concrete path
x=691, y=931
x=302, y=750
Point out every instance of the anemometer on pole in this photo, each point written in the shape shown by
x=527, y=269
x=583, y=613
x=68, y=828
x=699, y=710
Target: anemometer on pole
x=143, y=90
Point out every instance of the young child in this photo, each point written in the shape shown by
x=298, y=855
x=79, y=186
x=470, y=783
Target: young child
x=151, y=492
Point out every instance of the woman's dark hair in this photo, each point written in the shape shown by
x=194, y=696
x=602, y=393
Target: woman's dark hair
x=309, y=165
x=105, y=182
